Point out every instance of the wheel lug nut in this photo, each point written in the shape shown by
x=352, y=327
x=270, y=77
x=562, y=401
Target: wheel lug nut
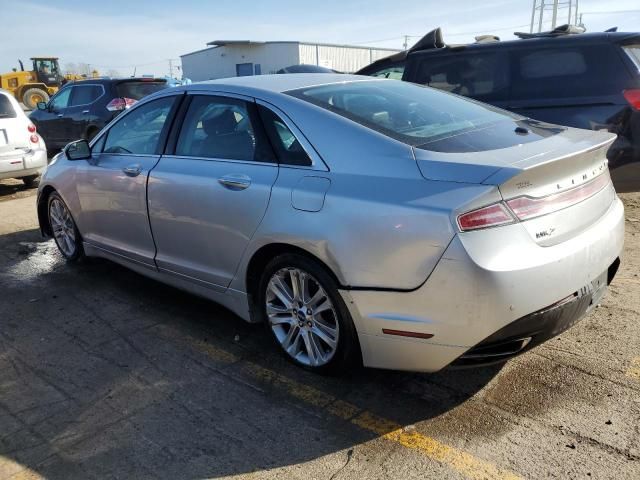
x=309, y=312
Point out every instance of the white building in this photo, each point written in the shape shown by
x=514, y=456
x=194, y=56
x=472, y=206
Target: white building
x=231, y=58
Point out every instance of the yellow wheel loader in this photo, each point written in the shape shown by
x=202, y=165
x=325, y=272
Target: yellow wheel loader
x=36, y=85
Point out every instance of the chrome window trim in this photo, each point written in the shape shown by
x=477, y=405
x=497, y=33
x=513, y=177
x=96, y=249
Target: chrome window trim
x=317, y=163
x=226, y=160
x=87, y=85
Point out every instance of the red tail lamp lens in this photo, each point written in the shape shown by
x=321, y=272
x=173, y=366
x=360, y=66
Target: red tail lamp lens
x=490, y=216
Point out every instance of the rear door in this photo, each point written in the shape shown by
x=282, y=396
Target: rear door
x=208, y=195
x=112, y=185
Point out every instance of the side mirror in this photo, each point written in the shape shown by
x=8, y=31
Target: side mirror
x=78, y=150
x=42, y=105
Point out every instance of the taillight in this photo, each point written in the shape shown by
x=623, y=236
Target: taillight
x=118, y=104
x=528, y=207
x=32, y=128
x=34, y=138
x=633, y=97
x=491, y=216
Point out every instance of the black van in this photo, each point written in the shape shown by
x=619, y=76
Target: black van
x=585, y=80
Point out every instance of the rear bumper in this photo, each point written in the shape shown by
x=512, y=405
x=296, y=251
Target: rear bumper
x=475, y=292
x=24, y=165
x=538, y=327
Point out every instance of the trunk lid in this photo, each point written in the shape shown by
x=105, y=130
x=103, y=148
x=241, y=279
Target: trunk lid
x=567, y=169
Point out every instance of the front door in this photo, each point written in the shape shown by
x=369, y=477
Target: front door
x=207, y=198
x=50, y=122
x=112, y=185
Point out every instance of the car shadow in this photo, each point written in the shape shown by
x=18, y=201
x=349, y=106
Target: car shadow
x=107, y=373
x=10, y=187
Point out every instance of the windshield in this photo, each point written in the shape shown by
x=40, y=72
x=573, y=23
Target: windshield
x=139, y=88
x=410, y=113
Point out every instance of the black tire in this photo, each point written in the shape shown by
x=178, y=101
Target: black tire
x=31, y=94
x=347, y=353
x=78, y=252
x=31, y=181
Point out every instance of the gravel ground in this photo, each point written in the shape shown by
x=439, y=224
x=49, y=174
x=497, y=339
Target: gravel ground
x=106, y=374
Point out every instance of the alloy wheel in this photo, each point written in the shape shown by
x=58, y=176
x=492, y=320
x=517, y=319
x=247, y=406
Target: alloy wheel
x=302, y=317
x=63, y=228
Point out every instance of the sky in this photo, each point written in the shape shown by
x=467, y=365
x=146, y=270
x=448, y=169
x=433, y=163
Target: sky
x=120, y=35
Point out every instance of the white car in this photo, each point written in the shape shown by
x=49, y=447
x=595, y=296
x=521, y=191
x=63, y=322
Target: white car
x=23, y=153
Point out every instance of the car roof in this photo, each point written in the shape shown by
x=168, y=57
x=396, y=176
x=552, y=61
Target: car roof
x=559, y=41
x=278, y=83
x=114, y=80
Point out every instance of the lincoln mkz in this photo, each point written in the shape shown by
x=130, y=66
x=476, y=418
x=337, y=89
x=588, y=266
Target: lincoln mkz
x=362, y=220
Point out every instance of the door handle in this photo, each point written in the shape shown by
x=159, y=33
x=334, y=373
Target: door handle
x=60, y=115
x=85, y=111
x=235, y=182
x=132, y=170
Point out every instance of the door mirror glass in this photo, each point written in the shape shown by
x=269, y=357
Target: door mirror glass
x=42, y=105
x=78, y=150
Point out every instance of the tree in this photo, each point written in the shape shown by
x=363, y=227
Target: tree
x=113, y=73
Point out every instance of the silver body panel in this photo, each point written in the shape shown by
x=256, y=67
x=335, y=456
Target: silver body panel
x=377, y=212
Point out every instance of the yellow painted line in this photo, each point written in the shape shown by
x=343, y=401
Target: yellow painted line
x=460, y=461
x=634, y=369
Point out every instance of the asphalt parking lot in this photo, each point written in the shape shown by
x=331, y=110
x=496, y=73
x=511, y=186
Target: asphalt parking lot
x=106, y=374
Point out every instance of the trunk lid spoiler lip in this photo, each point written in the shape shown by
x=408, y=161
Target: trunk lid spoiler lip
x=495, y=167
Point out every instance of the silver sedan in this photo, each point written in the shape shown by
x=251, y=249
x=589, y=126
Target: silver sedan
x=361, y=220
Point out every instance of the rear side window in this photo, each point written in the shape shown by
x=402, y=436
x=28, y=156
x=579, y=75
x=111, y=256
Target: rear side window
x=139, y=131
x=138, y=89
x=568, y=72
x=563, y=63
x=481, y=75
x=285, y=143
x=84, y=94
x=633, y=51
x=6, y=109
x=223, y=128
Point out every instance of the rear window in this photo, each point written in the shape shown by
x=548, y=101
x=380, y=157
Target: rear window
x=139, y=89
x=6, y=109
x=407, y=112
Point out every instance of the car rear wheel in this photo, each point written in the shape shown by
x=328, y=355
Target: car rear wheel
x=306, y=315
x=65, y=232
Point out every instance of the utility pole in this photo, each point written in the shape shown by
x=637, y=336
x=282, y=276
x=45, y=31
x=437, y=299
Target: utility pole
x=170, y=68
x=406, y=42
x=554, y=16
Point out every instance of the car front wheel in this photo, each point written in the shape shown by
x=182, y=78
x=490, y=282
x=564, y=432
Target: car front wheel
x=306, y=314
x=65, y=232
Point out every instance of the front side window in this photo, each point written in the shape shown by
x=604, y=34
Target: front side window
x=84, y=94
x=61, y=100
x=139, y=131
x=224, y=128
x=407, y=112
x=287, y=147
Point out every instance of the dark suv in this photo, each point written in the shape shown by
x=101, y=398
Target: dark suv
x=81, y=109
x=585, y=80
